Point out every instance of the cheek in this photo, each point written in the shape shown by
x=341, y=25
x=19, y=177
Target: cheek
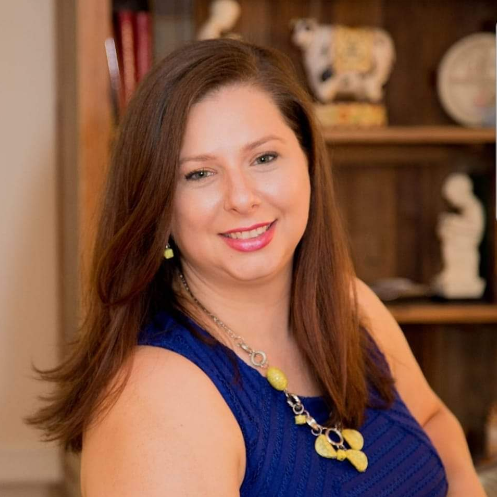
x=300, y=197
x=192, y=210
x=296, y=190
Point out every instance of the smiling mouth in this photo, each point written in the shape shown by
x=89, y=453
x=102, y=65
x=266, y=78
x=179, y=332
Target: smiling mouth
x=245, y=235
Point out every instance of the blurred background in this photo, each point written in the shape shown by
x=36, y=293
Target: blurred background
x=405, y=92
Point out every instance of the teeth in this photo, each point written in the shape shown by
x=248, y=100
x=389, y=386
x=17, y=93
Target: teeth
x=244, y=235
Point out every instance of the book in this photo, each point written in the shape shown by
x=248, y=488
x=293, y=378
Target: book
x=125, y=34
x=143, y=54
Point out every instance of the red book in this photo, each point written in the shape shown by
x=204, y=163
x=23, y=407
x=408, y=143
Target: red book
x=143, y=44
x=126, y=35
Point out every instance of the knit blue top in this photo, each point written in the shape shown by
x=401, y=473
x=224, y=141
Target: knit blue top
x=280, y=456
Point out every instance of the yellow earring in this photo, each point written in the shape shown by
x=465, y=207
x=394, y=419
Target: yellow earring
x=168, y=253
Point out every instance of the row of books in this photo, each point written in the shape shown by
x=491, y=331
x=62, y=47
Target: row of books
x=129, y=55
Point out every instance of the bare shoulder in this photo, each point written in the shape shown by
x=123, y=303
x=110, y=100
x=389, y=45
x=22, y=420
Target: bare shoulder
x=410, y=381
x=169, y=433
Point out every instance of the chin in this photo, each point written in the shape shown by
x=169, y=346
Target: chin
x=254, y=271
x=248, y=276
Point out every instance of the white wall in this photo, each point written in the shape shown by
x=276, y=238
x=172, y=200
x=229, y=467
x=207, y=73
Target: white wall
x=29, y=308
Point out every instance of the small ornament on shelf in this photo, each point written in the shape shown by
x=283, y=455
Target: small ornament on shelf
x=223, y=16
x=346, y=63
x=466, y=80
x=460, y=234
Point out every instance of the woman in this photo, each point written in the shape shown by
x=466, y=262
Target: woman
x=220, y=166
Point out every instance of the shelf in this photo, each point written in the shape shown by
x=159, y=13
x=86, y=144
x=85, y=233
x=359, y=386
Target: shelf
x=406, y=135
x=444, y=313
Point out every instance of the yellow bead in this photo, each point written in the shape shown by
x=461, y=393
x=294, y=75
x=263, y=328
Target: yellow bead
x=358, y=459
x=277, y=378
x=168, y=253
x=341, y=454
x=324, y=448
x=353, y=438
x=300, y=419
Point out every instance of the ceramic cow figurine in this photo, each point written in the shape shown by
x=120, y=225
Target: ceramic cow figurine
x=343, y=61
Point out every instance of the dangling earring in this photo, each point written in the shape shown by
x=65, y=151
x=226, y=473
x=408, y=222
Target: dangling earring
x=168, y=253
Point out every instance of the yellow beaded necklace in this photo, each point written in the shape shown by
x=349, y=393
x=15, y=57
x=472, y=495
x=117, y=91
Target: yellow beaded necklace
x=325, y=446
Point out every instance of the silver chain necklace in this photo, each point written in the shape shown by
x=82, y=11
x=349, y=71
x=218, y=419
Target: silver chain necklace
x=325, y=445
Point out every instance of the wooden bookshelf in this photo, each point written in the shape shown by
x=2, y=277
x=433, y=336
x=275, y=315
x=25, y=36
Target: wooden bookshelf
x=410, y=135
x=392, y=210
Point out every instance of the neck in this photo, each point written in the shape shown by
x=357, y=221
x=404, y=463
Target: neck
x=257, y=311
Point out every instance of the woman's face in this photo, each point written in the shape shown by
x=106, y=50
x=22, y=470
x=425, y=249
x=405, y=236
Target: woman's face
x=242, y=199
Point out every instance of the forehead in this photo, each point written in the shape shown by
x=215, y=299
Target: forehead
x=235, y=91
x=233, y=114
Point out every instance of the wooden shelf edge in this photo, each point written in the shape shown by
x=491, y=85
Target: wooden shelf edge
x=444, y=314
x=405, y=135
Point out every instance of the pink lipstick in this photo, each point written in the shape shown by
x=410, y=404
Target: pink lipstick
x=253, y=243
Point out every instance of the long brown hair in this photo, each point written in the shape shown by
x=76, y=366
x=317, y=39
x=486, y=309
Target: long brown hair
x=130, y=281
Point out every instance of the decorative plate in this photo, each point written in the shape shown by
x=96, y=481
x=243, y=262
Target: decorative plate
x=466, y=80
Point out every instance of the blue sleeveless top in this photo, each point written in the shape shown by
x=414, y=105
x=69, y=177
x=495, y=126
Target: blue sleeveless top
x=280, y=456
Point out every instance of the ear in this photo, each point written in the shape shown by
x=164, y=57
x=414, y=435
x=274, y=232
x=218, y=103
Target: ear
x=170, y=235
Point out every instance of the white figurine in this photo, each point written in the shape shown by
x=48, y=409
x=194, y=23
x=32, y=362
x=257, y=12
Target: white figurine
x=342, y=61
x=461, y=235
x=223, y=16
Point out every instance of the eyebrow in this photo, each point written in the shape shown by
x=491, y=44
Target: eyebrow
x=246, y=148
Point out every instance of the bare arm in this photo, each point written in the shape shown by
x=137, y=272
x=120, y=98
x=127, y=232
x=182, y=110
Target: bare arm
x=169, y=434
x=448, y=437
x=439, y=423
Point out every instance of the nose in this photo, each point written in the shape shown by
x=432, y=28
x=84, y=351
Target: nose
x=240, y=193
